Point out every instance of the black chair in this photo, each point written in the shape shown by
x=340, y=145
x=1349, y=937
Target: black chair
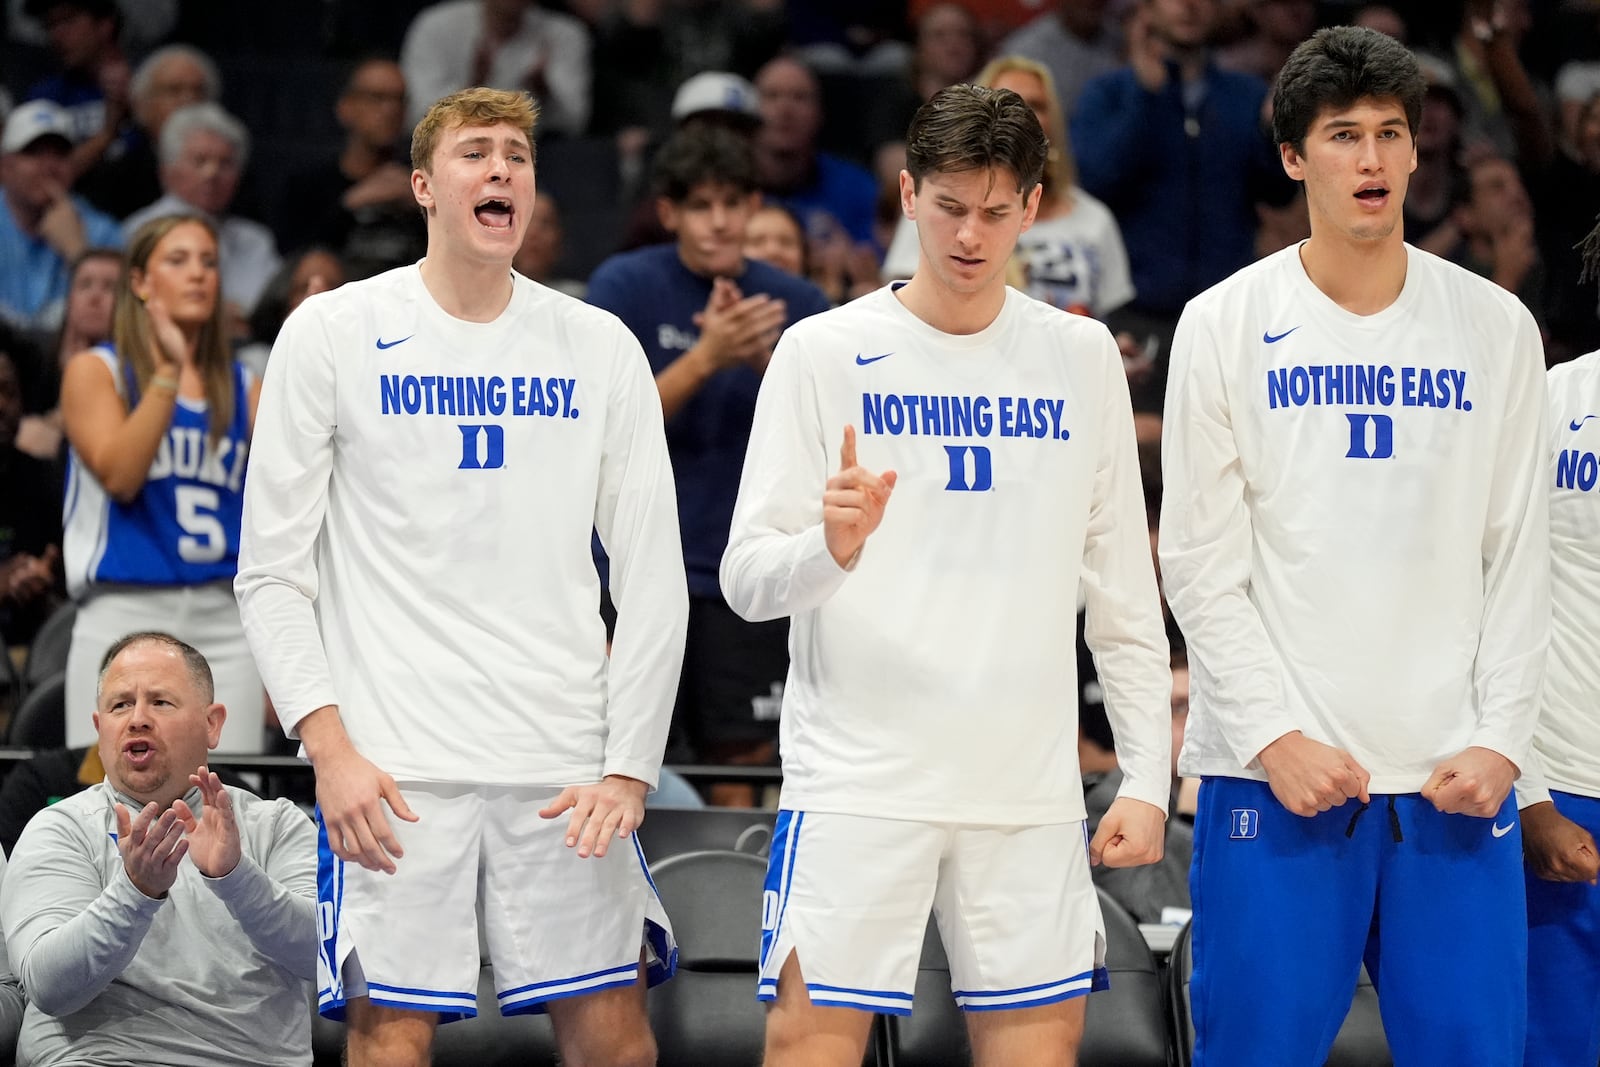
x=1125, y=1025
x=1360, y=1042
x=47, y=655
x=708, y=1015
x=674, y=831
x=489, y=1040
x=40, y=721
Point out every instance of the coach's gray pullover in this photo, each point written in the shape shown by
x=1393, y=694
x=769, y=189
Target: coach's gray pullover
x=216, y=973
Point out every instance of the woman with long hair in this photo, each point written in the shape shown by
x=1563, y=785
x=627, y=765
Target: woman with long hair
x=158, y=427
x=91, y=294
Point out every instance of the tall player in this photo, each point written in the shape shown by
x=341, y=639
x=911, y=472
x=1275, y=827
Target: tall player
x=1354, y=540
x=434, y=446
x=1561, y=806
x=986, y=472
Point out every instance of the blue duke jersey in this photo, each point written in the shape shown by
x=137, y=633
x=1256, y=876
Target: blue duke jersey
x=183, y=527
x=1569, y=715
x=935, y=678
x=417, y=532
x=1354, y=526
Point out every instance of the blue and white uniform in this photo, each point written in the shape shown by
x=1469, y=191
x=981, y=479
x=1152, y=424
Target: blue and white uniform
x=417, y=553
x=930, y=714
x=1354, y=540
x=1563, y=917
x=165, y=560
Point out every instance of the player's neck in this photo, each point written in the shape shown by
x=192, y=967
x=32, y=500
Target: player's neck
x=951, y=312
x=1363, y=277
x=474, y=290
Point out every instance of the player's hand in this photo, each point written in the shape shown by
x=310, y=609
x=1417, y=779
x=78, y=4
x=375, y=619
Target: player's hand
x=1558, y=849
x=351, y=792
x=1308, y=776
x=170, y=345
x=152, y=845
x=735, y=328
x=611, y=808
x=1131, y=834
x=853, y=503
x=213, y=837
x=60, y=225
x=1475, y=783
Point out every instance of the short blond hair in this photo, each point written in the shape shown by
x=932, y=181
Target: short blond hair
x=478, y=106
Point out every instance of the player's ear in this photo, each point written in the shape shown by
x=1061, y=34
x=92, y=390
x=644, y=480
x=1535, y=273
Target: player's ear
x=422, y=188
x=1292, y=164
x=908, y=193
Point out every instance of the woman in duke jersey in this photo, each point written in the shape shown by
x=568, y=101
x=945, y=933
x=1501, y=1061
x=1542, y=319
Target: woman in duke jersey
x=159, y=427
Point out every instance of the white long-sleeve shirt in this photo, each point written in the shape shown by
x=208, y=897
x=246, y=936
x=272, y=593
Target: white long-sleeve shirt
x=416, y=545
x=441, y=43
x=1354, y=532
x=1567, y=741
x=936, y=678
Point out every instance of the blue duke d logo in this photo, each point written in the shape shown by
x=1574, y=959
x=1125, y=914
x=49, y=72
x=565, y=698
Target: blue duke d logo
x=1246, y=823
x=981, y=468
x=490, y=455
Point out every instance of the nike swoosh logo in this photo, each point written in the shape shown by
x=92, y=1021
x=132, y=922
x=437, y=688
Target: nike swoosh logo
x=862, y=361
x=382, y=344
x=1501, y=831
x=1274, y=339
x=1579, y=422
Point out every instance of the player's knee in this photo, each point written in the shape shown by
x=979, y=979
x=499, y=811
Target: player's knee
x=622, y=1050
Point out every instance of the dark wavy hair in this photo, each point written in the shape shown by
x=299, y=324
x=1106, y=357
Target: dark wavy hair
x=973, y=127
x=1334, y=68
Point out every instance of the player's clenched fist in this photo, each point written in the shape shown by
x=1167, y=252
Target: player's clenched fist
x=853, y=503
x=1308, y=776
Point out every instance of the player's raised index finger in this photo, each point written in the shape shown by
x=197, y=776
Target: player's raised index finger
x=847, y=451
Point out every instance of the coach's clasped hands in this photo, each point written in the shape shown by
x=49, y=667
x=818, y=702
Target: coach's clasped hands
x=853, y=503
x=611, y=808
x=154, y=842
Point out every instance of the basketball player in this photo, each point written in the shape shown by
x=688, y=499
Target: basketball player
x=435, y=445
x=1561, y=803
x=986, y=472
x=1354, y=541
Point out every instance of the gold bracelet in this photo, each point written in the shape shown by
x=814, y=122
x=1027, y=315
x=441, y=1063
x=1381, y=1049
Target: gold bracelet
x=164, y=382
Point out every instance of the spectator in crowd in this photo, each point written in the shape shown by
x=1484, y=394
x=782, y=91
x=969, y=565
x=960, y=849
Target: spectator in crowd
x=43, y=227
x=315, y=270
x=30, y=519
x=1577, y=82
x=828, y=193
x=1073, y=41
x=1436, y=185
x=92, y=84
x=145, y=23
x=128, y=176
x=1495, y=220
x=1383, y=18
x=162, y=916
x=506, y=44
x=1500, y=102
x=158, y=423
x=12, y=1001
x=1275, y=27
x=1568, y=197
x=995, y=18
x=708, y=318
x=91, y=294
x=203, y=153
x=649, y=48
x=542, y=246
x=1365, y=595
x=360, y=204
x=1559, y=791
x=774, y=236
x=1179, y=156
x=514, y=811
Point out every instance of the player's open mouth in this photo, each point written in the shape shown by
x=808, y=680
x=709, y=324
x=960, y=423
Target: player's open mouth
x=966, y=261
x=494, y=213
x=139, y=753
x=1372, y=193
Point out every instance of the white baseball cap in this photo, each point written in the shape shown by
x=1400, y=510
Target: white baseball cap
x=716, y=90
x=33, y=120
